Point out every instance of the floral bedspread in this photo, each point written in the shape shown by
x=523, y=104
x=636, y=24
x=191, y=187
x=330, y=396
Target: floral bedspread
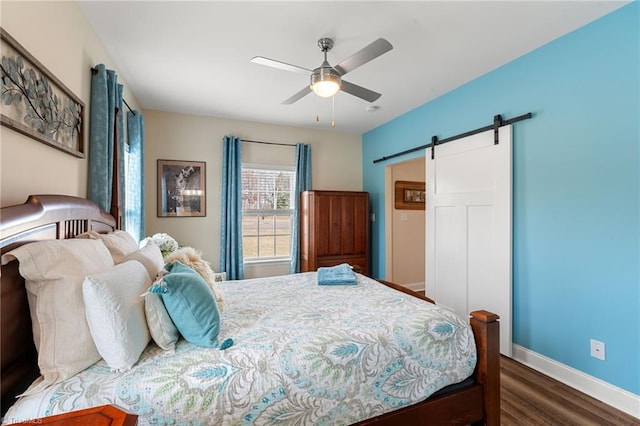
x=303, y=354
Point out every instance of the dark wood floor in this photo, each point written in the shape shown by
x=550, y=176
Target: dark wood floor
x=531, y=398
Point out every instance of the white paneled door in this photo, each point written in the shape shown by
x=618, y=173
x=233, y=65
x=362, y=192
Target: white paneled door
x=469, y=227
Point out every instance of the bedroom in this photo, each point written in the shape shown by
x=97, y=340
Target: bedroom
x=574, y=256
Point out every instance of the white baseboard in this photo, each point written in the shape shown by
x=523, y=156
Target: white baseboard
x=414, y=286
x=616, y=397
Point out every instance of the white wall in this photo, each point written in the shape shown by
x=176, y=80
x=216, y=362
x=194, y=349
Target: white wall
x=57, y=34
x=336, y=164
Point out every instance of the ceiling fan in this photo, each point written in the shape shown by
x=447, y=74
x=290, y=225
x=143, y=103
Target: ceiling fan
x=326, y=80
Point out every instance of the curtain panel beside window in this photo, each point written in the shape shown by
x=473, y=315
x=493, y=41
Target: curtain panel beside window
x=109, y=185
x=104, y=121
x=303, y=183
x=231, y=260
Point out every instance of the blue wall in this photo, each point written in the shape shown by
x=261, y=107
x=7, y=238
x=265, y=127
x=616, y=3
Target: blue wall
x=576, y=233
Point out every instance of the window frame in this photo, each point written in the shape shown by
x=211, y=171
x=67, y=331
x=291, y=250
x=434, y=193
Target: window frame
x=270, y=212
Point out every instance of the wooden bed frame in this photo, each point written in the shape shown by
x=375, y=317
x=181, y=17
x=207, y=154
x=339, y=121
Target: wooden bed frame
x=44, y=217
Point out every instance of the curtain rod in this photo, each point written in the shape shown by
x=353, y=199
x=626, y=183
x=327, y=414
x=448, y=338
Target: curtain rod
x=125, y=102
x=436, y=142
x=268, y=143
x=94, y=71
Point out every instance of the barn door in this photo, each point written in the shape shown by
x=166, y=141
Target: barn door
x=469, y=227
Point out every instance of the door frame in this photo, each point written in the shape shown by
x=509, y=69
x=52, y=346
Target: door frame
x=389, y=204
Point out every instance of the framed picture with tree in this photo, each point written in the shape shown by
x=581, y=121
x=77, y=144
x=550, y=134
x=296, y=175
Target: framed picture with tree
x=181, y=188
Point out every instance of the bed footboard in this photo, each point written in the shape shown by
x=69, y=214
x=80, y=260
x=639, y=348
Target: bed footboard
x=477, y=404
x=486, y=330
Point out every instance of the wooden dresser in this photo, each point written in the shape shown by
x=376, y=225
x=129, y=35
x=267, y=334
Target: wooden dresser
x=334, y=229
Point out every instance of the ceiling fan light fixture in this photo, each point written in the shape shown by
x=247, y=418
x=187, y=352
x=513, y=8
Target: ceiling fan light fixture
x=325, y=81
x=326, y=89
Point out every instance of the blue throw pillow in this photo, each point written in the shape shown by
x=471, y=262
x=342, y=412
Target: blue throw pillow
x=191, y=304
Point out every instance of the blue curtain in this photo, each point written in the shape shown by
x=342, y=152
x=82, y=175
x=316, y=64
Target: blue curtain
x=231, y=217
x=106, y=97
x=303, y=183
x=134, y=213
x=121, y=147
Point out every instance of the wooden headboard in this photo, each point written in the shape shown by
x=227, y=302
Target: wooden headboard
x=41, y=217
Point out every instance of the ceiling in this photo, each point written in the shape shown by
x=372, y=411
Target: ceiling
x=194, y=57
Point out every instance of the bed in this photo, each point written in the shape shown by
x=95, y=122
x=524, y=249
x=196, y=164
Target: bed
x=264, y=370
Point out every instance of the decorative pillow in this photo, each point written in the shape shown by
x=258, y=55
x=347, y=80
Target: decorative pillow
x=190, y=304
x=192, y=258
x=162, y=329
x=150, y=257
x=115, y=313
x=54, y=271
x=119, y=243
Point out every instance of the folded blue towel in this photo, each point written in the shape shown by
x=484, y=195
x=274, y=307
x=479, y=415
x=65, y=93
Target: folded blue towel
x=336, y=275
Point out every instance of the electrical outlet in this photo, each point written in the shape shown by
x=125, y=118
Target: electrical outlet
x=597, y=349
x=220, y=276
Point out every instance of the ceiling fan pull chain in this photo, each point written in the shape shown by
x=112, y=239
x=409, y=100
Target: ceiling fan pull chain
x=333, y=111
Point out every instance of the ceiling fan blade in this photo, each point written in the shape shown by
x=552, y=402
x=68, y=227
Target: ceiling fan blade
x=279, y=65
x=304, y=92
x=360, y=92
x=363, y=56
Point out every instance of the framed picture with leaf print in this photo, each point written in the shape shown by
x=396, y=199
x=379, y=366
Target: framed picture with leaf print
x=37, y=104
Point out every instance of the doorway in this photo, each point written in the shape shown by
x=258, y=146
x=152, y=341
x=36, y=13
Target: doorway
x=405, y=251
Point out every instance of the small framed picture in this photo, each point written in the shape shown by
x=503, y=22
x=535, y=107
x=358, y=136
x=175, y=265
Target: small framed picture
x=410, y=195
x=181, y=188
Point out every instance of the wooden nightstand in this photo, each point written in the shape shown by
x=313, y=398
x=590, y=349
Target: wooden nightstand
x=104, y=415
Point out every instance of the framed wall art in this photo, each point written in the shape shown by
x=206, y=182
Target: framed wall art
x=409, y=195
x=37, y=104
x=181, y=188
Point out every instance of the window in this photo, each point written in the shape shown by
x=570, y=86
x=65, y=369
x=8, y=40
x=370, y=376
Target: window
x=131, y=189
x=267, y=212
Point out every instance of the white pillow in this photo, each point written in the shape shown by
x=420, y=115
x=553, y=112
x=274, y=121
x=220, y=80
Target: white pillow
x=119, y=243
x=115, y=313
x=162, y=329
x=54, y=271
x=151, y=258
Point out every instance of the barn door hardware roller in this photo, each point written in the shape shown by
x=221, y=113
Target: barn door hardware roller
x=434, y=142
x=497, y=123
